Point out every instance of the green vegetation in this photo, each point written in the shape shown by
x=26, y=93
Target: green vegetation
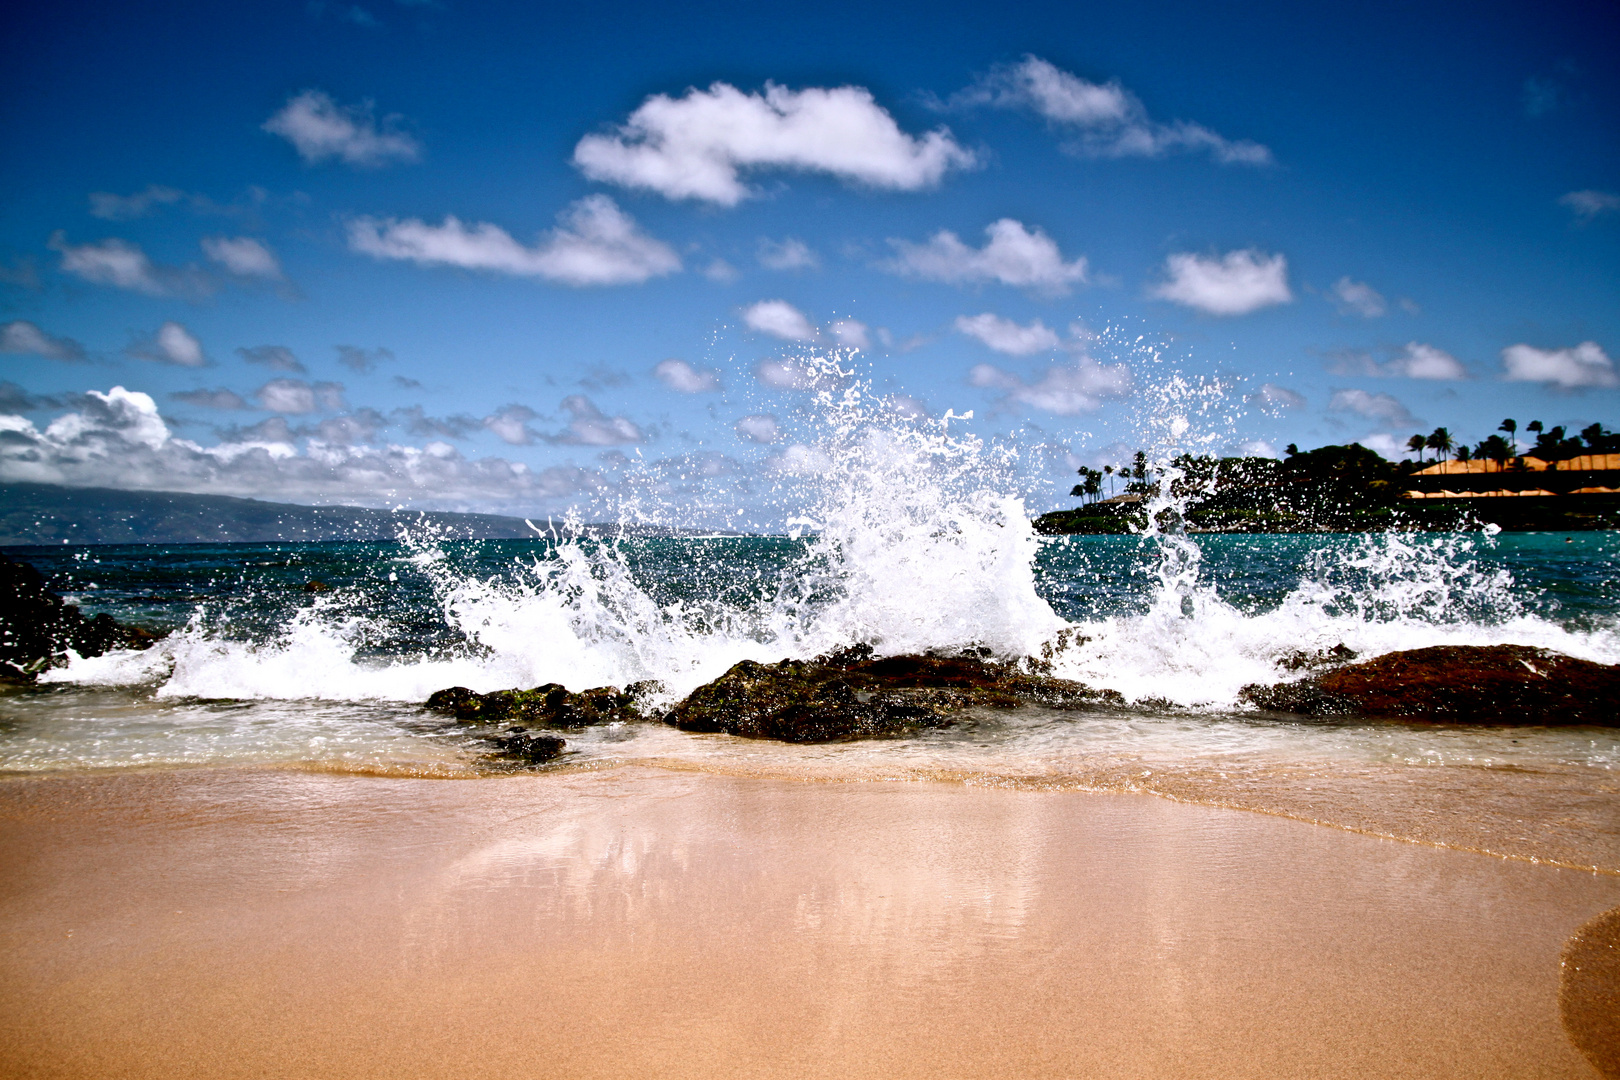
x=1337, y=489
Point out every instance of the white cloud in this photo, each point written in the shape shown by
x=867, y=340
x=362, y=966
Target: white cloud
x=110, y=207
x=799, y=460
x=1064, y=390
x=299, y=397
x=1590, y=203
x=761, y=428
x=211, y=399
x=1387, y=446
x=595, y=243
x=1105, y=119
x=591, y=427
x=321, y=129
x=243, y=256
x=1235, y=284
x=1383, y=408
x=1419, y=361
x=1013, y=256
x=695, y=147
x=851, y=333
x=172, y=344
x=510, y=423
x=1257, y=448
x=1585, y=365
x=787, y=375
x=1006, y=336
x=720, y=270
x=779, y=319
x=118, y=439
x=25, y=338
x=274, y=357
x=680, y=376
x=124, y=265
x=787, y=254
x=1276, y=400
x=1359, y=298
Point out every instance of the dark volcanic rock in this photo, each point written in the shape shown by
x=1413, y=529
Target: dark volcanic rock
x=37, y=628
x=1468, y=684
x=551, y=705
x=529, y=746
x=851, y=695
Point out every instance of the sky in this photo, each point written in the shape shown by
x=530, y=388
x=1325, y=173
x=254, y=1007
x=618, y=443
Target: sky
x=528, y=257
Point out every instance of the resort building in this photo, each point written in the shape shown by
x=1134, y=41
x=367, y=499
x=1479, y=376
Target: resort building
x=1587, y=474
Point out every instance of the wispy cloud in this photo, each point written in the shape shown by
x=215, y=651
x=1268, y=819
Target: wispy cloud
x=243, y=256
x=759, y=428
x=362, y=361
x=297, y=397
x=1275, y=400
x=322, y=130
x=123, y=265
x=1590, y=203
x=111, y=207
x=683, y=378
x=787, y=254
x=1234, y=284
x=1359, y=298
x=1007, y=336
x=1581, y=367
x=595, y=243
x=1065, y=389
x=779, y=319
x=210, y=399
x=589, y=426
x=25, y=338
x=274, y=357
x=697, y=146
x=1414, y=360
x=1380, y=408
x=1013, y=255
x=1102, y=119
x=171, y=344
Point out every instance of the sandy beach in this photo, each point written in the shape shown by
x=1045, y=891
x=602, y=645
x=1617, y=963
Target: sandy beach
x=645, y=922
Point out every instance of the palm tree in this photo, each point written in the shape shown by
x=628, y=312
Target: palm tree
x=1463, y=453
x=1109, y=471
x=1511, y=427
x=1439, y=441
x=1415, y=445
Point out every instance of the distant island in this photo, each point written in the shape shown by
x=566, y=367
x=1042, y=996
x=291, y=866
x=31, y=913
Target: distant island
x=1562, y=484
x=48, y=514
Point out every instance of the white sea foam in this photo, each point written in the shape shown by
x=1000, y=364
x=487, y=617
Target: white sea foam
x=915, y=539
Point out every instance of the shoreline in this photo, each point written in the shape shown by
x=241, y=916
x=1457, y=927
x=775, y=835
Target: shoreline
x=642, y=921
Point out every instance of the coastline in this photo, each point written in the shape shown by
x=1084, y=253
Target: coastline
x=640, y=921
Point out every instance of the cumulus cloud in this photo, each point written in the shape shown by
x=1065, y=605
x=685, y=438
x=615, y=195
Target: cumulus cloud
x=363, y=361
x=720, y=270
x=589, y=426
x=1007, y=336
x=416, y=421
x=321, y=130
x=1359, y=298
x=1103, y=119
x=760, y=428
x=111, y=207
x=25, y=338
x=1014, y=255
x=851, y=333
x=1414, y=360
x=123, y=265
x=1062, y=389
x=1275, y=400
x=1387, y=446
x=787, y=375
x=243, y=256
x=172, y=344
x=1234, y=284
x=799, y=460
x=298, y=397
x=787, y=254
x=210, y=399
x=1584, y=366
x=595, y=243
x=1381, y=408
x=1589, y=204
x=511, y=424
x=697, y=146
x=118, y=439
x=680, y=376
x=779, y=319
x=274, y=357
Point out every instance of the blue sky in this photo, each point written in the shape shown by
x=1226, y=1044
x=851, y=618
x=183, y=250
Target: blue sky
x=503, y=256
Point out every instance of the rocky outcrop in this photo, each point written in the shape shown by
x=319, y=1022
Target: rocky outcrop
x=528, y=746
x=1461, y=684
x=37, y=628
x=550, y=706
x=852, y=695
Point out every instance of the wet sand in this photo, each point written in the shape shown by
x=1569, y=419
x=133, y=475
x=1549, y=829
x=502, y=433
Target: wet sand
x=638, y=922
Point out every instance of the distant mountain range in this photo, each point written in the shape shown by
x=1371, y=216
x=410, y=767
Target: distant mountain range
x=46, y=514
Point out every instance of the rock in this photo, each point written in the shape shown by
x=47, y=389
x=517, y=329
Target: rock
x=551, y=705
x=850, y=695
x=37, y=628
x=317, y=585
x=1461, y=684
x=529, y=746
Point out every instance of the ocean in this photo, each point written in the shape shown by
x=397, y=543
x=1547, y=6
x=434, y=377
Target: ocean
x=320, y=656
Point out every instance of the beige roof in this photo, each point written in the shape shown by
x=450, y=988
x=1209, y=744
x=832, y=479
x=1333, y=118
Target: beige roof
x=1583, y=463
